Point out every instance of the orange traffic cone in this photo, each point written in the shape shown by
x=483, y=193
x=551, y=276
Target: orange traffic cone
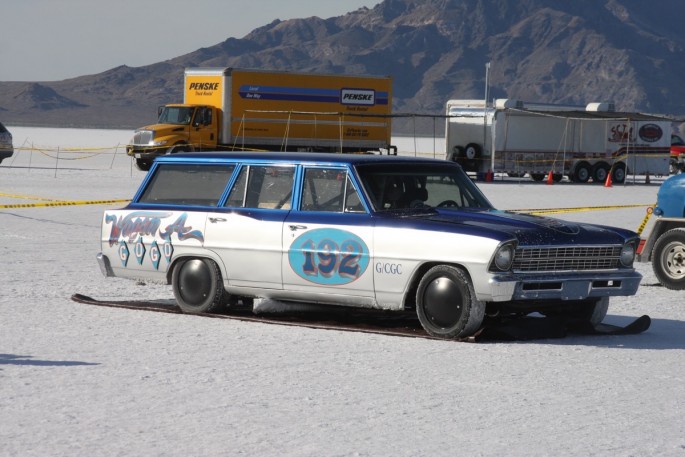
x=608, y=182
x=550, y=178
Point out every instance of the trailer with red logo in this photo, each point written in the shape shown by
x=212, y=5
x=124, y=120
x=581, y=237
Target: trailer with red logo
x=583, y=143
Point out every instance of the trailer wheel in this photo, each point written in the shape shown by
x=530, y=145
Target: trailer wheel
x=198, y=287
x=600, y=172
x=446, y=303
x=537, y=176
x=472, y=151
x=582, y=172
x=618, y=174
x=668, y=259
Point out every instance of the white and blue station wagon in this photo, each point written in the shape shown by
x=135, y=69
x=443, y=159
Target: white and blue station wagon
x=372, y=231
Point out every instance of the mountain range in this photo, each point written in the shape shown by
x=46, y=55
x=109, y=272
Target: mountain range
x=630, y=52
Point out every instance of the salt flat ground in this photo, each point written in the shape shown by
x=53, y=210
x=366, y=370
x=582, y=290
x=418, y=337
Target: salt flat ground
x=78, y=380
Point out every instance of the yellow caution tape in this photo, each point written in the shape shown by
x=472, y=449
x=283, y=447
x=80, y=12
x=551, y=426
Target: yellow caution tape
x=27, y=197
x=574, y=210
x=64, y=203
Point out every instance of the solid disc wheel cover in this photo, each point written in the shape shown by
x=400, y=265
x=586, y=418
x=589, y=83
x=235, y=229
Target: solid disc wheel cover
x=194, y=282
x=443, y=302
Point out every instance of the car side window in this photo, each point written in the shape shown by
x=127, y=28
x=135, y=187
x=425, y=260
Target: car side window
x=329, y=190
x=198, y=185
x=261, y=186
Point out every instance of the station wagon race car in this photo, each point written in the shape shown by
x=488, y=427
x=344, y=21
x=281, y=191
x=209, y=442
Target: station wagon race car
x=370, y=231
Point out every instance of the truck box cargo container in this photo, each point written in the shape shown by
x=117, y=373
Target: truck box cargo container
x=582, y=143
x=230, y=108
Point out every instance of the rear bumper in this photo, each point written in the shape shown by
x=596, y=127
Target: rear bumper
x=104, y=264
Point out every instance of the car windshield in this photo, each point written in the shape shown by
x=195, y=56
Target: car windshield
x=175, y=115
x=404, y=186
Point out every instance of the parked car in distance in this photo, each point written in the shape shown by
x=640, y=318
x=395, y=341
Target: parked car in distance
x=384, y=232
x=6, y=148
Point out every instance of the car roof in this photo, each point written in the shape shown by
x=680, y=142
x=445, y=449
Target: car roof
x=296, y=158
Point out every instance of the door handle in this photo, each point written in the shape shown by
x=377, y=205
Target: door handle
x=297, y=227
x=214, y=220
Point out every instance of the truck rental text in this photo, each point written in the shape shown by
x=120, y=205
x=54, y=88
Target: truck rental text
x=234, y=109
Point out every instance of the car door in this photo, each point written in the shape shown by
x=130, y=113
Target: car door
x=203, y=128
x=248, y=234
x=327, y=240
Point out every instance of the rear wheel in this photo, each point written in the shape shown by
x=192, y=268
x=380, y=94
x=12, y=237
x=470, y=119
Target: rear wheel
x=600, y=172
x=618, y=173
x=446, y=303
x=582, y=172
x=198, y=287
x=668, y=259
x=537, y=176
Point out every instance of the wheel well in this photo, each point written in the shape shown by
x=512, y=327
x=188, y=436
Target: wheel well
x=410, y=295
x=185, y=257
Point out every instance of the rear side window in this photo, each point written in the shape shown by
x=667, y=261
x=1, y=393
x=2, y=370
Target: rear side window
x=2, y=128
x=197, y=185
x=265, y=187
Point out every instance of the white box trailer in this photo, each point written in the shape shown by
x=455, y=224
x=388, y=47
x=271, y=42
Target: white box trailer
x=582, y=143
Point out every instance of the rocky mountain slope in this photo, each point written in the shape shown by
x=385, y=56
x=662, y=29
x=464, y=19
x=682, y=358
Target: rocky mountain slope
x=631, y=52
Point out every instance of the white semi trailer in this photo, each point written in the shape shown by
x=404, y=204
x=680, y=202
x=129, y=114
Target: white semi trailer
x=582, y=143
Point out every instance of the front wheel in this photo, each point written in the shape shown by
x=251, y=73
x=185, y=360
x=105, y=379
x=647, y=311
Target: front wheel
x=198, y=287
x=446, y=303
x=668, y=259
x=143, y=164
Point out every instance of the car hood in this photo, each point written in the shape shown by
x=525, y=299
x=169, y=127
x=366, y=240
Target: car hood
x=527, y=229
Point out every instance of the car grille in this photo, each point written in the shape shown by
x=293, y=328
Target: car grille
x=566, y=259
x=142, y=137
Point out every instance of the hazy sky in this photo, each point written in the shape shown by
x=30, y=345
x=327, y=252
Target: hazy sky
x=51, y=40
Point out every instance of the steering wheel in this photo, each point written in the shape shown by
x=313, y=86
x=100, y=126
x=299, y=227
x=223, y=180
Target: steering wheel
x=448, y=204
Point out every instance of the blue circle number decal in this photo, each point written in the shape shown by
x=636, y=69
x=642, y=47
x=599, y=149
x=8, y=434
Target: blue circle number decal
x=329, y=256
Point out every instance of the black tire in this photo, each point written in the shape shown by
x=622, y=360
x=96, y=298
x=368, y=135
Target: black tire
x=537, y=176
x=668, y=259
x=618, y=173
x=198, y=287
x=582, y=172
x=600, y=171
x=446, y=303
x=143, y=164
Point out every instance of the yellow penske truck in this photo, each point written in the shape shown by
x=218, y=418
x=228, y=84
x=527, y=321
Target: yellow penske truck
x=239, y=109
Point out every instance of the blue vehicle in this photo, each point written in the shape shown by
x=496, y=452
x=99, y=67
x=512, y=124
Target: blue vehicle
x=665, y=245
x=371, y=231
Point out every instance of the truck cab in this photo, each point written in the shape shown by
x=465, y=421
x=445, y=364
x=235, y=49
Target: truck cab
x=179, y=128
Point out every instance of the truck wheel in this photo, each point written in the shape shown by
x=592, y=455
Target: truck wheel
x=198, y=287
x=600, y=172
x=446, y=303
x=582, y=172
x=143, y=164
x=618, y=174
x=668, y=259
x=537, y=176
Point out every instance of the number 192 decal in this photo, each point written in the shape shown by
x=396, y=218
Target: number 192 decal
x=329, y=256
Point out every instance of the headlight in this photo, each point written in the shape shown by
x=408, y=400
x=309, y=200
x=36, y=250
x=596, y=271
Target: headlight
x=627, y=254
x=159, y=143
x=503, y=258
